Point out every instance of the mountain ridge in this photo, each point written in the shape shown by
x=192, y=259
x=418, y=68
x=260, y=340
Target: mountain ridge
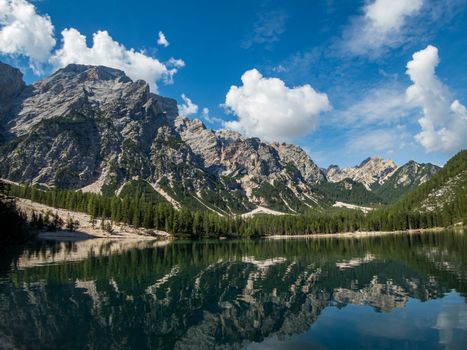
x=93, y=128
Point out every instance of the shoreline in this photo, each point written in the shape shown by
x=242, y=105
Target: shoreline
x=86, y=229
x=358, y=234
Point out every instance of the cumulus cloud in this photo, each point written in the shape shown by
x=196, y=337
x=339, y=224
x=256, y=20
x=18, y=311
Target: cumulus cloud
x=267, y=108
x=444, y=120
x=24, y=32
x=162, y=40
x=210, y=119
x=380, y=26
x=187, y=107
x=108, y=52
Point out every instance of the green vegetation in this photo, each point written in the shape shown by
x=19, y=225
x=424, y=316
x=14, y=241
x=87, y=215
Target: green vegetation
x=348, y=191
x=140, y=210
x=391, y=191
x=14, y=227
x=275, y=195
x=445, y=193
x=140, y=188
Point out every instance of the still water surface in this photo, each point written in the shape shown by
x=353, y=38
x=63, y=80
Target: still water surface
x=392, y=292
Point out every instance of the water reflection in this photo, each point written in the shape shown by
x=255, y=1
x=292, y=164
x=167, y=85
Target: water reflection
x=253, y=294
x=62, y=252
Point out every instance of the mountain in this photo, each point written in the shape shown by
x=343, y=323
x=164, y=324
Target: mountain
x=373, y=170
x=383, y=180
x=445, y=192
x=93, y=128
x=404, y=179
x=348, y=191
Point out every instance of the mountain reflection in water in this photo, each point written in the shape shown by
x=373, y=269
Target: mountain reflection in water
x=274, y=294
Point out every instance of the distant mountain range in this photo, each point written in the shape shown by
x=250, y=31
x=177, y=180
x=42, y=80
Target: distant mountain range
x=93, y=128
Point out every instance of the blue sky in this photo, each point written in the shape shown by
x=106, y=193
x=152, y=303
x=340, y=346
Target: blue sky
x=328, y=75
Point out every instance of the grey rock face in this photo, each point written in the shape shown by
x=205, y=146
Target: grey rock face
x=55, y=155
x=383, y=177
x=70, y=126
x=370, y=171
x=93, y=128
x=413, y=173
x=11, y=85
x=292, y=154
x=252, y=162
x=98, y=92
x=404, y=179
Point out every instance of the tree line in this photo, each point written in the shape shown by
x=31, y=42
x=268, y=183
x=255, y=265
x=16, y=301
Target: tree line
x=138, y=212
x=14, y=225
x=143, y=212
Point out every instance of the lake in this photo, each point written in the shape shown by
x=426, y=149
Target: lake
x=388, y=292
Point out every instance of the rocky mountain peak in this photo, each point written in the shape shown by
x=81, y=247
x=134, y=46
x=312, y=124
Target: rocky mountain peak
x=88, y=80
x=372, y=170
x=414, y=173
x=378, y=162
x=86, y=90
x=87, y=72
x=229, y=135
x=93, y=128
x=365, y=161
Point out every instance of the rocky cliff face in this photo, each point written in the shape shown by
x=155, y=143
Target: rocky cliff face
x=404, y=179
x=412, y=173
x=11, y=85
x=70, y=128
x=370, y=171
x=256, y=166
x=383, y=178
x=93, y=128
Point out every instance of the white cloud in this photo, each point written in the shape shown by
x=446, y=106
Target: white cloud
x=176, y=62
x=444, y=120
x=267, y=108
x=187, y=108
x=108, y=52
x=162, y=40
x=206, y=117
x=381, y=26
x=24, y=32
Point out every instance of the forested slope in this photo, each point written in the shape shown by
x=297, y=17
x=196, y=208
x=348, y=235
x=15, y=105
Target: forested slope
x=440, y=202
